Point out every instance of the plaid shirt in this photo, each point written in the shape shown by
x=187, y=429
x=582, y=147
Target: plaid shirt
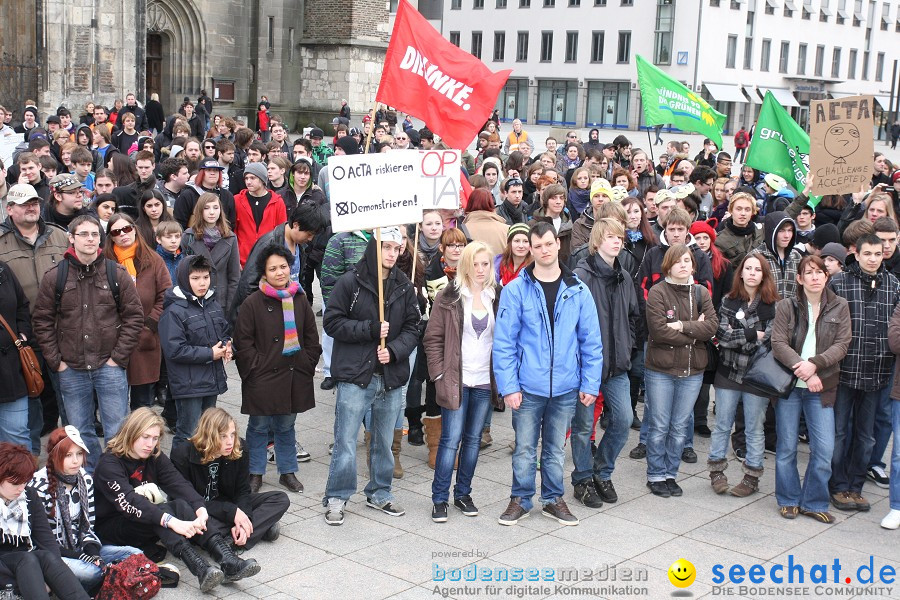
x=785, y=272
x=737, y=336
x=872, y=298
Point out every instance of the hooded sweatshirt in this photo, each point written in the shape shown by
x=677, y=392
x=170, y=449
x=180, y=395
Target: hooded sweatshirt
x=783, y=269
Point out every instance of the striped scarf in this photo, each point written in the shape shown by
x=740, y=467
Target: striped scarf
x=291, y=340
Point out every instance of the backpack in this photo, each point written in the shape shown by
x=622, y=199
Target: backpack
x=135, y=577
x=62, y=273
x=741, y=137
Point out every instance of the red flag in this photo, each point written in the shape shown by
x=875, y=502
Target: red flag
x=428, y=77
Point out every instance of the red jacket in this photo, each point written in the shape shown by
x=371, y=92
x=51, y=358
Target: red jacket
x=245, y=225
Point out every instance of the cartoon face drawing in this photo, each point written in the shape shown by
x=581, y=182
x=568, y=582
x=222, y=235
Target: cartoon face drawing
x=841, y=141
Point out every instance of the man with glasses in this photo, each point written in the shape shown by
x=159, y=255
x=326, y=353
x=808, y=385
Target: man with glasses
x=723, y=164
x=30, y=248
x=401, y=141
x=88, y=332
x=67, y=201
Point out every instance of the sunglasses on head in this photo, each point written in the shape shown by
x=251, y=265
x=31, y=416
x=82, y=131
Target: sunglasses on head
x=117, y=232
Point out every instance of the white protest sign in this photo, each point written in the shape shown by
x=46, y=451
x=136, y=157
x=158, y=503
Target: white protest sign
x=378, y=190
x=7, y=147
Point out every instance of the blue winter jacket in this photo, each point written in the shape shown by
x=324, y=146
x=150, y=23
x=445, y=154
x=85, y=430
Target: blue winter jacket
x=188, y=329
x=527, y=358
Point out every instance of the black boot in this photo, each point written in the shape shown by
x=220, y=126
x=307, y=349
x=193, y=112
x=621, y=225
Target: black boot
x=235, y=568
x=208, y=576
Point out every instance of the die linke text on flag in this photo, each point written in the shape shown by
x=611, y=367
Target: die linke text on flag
x=429, y=78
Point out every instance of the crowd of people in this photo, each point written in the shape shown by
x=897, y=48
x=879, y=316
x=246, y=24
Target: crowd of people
x=140, y=254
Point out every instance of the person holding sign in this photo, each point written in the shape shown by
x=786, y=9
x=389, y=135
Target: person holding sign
x=369, y=374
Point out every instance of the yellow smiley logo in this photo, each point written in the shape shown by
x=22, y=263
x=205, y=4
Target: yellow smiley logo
x=682, y=573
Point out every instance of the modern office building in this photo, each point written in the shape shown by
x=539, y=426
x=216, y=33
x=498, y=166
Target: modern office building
x=573, y=60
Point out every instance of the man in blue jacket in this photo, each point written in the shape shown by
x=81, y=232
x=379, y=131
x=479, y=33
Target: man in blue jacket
x=547, y=357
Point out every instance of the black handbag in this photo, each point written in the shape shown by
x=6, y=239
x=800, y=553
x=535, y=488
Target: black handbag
x=767, y=375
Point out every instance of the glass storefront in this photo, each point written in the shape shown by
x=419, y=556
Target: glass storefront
x=513, y=100
x=607, y=104
x=556, y=102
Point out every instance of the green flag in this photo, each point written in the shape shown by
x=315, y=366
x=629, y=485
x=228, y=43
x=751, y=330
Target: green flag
x=780, y=145
x=667, y=100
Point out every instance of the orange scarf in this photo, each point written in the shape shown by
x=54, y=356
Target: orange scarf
x=125, y=256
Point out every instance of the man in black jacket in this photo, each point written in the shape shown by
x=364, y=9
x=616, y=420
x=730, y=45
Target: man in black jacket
x=140, y=116
x=369, y=375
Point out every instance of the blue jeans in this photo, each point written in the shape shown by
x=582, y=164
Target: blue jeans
x=188, y=415
x=754, y=415
x=882, y=431
x=77, y=387
x=89, y=574
x=673, y=401
x=352, y=403
x=548, y=419
x=617, y=404
x=282, y=426
x=461, y=425
x=399, y=424
x=895, y=457
x=854, y=424
x=14, y=423
x=813, y=496
x=35, y=424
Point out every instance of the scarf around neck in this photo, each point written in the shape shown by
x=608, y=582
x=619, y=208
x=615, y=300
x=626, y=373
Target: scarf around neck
x=125, y=256
x=634, y=235
x=211, y=236
x=15, y=525
x=291, y=339
x=73, y=534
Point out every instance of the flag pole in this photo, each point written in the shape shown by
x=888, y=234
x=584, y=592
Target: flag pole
x=372, y=125
x=415, y=256
x=650, y=142
x=380, y=282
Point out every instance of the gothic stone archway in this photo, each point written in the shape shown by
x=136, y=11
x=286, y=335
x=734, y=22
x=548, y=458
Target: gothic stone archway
x=176, y=51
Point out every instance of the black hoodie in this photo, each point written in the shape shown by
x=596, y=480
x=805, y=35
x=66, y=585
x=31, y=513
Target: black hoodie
x=351, y=318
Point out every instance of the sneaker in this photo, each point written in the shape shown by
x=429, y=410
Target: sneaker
x=659, y=488
x=559, y=510
x=388, y=508
x=513, y=512
x=877, y=476
x=334, y=515
x=843, y=501
x=674, y=488
x=771, y=449
x=270, y=452
x=803, y=437
x=688, y=455
x=327, y=384
x=604, y=421
x=638, y=452
x=466, y=506
x=439, y=512
x=820, y=516
x=302, y=455
x=891, y=520
x=605, y=490
x=740, y=454
x=861, y=503
x=331, y=448
x=587, y=495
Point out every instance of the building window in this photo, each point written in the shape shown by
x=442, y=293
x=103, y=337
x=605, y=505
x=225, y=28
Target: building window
x=599, y=2
x=557, y=102
x=549, y=3
x=879, y=67
x=522, y=46
x=731, y=52
x=499, y=46
x=665, y=24
x=607, y=104
x=820, y=61
x=478, y=4
x=627, y=2
x=271, y=34
x=851, y=65
x=571, y=46
x=223, y=90
x=501, y=3
x=805, y=14
x=783, y=57
x=801, y=59
x=455, y=4
x=574, y=3
x=748, y=53
x=476, y=44
x=524, y=3
x=546, y=46
x=597, y=39
x=624, y=53
x=291, y=42
x=865, y=65
x=454, y=38
x=770, y=10
x=885, y=16
x=824, y=13
x=764, y=55
x=788, y=12
x=715, y=3
x=836, y=63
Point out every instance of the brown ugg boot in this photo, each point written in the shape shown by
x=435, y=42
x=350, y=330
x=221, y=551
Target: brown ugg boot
x=749, y=484
x=432, y=437
x=486, y=439
x=717, y=477
x=395, y=450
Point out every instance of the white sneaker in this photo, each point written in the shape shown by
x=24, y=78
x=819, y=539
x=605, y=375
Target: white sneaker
x=334, y=514
x=892, y=520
